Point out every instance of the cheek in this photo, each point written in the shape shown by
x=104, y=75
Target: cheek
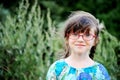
x=90, y=43
x=71, y=42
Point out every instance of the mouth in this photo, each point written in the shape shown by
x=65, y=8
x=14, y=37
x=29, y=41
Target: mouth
x=79, y=44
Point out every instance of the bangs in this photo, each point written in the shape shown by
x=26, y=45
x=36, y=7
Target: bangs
x=79, y=26
x=80, y=29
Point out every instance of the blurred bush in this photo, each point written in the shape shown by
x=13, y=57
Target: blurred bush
x=29, y=43
x=3, y=13
x=106, y=53
x=27, y=48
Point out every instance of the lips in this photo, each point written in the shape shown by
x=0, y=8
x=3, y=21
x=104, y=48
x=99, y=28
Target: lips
x=79, y=44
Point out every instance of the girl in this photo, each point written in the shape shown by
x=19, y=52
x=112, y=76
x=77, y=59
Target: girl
x=81, y=37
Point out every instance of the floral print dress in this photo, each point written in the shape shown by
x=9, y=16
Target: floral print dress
x=60, y=70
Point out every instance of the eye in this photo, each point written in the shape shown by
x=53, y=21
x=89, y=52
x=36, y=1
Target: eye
x=75, y=34
x=87, y=34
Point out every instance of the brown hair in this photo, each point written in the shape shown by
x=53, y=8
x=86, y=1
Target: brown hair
x=79, y=21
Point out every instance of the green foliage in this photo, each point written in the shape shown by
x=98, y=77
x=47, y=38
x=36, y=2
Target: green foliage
x=3, y=13
x=106, y=53
x=107, y=11
x=26, y=48
x=29, y=43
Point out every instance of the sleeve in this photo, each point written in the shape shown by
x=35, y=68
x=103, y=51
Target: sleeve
x=104, y=72
x=51, y=75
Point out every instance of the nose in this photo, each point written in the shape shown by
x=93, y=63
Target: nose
x=80, y=38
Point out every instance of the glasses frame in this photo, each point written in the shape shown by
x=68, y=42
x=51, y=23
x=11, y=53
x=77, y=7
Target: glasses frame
x=78, y=35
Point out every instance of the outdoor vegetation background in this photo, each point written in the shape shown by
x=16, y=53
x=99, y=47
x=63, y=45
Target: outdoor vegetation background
x=31, y=35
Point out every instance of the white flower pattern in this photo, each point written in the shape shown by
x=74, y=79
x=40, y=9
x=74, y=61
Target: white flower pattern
x=60, y=70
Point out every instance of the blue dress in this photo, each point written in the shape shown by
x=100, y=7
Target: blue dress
x=60, y=70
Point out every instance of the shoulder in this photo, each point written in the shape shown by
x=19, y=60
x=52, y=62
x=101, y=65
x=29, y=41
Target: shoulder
x=101, y=68
x=57, y=66
x=58, y=63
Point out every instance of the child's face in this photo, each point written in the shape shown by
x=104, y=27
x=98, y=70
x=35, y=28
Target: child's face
x=81, y=42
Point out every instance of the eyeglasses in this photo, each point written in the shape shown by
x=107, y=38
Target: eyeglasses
x=86, y=36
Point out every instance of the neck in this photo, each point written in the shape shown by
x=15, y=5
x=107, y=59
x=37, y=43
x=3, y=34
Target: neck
x=79, y=60
x=80, y=56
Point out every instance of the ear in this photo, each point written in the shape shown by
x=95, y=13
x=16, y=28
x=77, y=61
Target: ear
x=96, y=41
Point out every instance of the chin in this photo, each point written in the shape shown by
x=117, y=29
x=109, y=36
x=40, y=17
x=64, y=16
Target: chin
x=79, y=51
